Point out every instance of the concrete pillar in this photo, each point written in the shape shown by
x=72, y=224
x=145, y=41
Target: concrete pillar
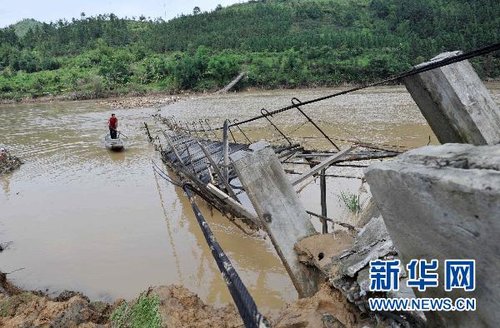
x=281, y=213
x=443, y=202
x=455, y=103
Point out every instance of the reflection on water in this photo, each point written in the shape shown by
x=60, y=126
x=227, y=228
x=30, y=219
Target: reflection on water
x=5, y=181
x=118, y=156
x=87, y=219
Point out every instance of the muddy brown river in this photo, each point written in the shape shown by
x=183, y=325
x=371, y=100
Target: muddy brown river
x=83, y=218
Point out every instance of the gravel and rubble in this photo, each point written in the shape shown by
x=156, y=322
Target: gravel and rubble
x=343, y=258
x=147, y=101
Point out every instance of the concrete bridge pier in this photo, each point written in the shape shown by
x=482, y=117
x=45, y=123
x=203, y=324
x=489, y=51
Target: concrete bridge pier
x=455, y=103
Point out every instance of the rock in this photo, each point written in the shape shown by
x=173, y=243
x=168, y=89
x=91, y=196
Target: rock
x=329, y=321
x=4, y=246
x=443, y=202
x=67, y=295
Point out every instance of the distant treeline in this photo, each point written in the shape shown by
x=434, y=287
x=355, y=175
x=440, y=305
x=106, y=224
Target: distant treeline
x=280, y=43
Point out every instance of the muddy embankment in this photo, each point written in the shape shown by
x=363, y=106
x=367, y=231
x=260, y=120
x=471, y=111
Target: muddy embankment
x=165, y=306
x=177, y=307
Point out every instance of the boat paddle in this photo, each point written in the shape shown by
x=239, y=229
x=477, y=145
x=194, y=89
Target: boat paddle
x=121, y=133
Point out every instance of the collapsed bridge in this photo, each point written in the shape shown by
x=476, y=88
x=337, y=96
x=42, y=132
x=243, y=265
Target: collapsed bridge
x=256, y=183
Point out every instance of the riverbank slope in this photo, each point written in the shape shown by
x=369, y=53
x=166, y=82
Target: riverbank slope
x=163, y=306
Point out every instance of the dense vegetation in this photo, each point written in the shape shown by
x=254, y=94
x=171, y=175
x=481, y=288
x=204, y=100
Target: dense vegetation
x=279, y=43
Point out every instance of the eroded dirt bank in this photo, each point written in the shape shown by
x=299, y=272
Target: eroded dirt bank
x=118, y=102
x=176, y=307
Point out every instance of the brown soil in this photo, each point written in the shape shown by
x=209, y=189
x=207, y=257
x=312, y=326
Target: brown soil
x=20, y=308
x=178, y=308
x=181, y=308
x=327, y=308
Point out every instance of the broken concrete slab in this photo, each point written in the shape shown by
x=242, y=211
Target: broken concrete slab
x=368, y=211
x=341, y=254
x=349, y=271
x=280, y=211
x=443, y=202
x=455, y=103
x=343, y=258
x=373, y=242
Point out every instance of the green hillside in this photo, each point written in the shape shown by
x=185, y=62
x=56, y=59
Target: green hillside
x=279, y=43
x=22, y=27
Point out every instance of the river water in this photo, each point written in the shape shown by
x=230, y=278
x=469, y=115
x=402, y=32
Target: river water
x=83, y=218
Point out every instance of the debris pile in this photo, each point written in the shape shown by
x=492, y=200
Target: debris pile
x=8, y=162
x=153, y=100
x=343, y=257
x=327, y=308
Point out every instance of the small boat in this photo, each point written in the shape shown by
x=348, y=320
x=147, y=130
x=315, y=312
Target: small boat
x=113, y=144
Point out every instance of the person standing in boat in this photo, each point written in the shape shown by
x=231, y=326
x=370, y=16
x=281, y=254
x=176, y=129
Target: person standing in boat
x=113, y=125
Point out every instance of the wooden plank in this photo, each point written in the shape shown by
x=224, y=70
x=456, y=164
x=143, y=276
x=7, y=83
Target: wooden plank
x=232, y=83
x=280, y=211
x=323, y=165
x=237, y=207
x=217, y=171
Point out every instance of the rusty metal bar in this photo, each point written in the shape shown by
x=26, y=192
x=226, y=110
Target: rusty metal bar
x=266, y=114
x=324, y=210
x=241, y=130
x=296, y=102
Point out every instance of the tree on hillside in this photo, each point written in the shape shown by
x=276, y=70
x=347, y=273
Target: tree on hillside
x=279, y=43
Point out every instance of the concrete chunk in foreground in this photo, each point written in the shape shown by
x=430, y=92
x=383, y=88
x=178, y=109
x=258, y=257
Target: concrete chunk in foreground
x=443, y=202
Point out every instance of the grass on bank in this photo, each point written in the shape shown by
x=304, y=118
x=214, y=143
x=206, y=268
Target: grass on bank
x=143, y=313
x=8, y=305
x=351, y=201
